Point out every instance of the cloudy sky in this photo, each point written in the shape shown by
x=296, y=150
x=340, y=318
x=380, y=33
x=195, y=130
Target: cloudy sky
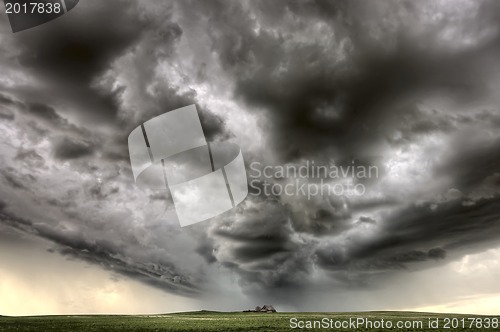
x=409, y=87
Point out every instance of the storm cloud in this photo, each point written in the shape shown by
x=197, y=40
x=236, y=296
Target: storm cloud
x=408, y=87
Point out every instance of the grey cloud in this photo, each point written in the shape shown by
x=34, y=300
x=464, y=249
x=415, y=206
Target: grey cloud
x=44, y=111
x=5, y=100
x=437, y=253
x=324, y=80
x=73, y=55
x=69, y=148
x=213, y=126
x=12, y=179
x=472, y=163
x=317, y=108
x=6, y=115
x=31, y=157
x=367, y=220
x=106, y=253
x=316, y=103
x=206, y=250
x=260, y=245
x=321, y=105
x=451, y=225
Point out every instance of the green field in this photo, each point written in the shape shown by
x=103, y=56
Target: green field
x=221, y=321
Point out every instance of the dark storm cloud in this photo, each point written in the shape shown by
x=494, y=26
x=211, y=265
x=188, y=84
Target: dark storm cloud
x=69, y=148
x=206, y=250
x=261, y=246
x=44, y=111
x=105, y=253
x=67, y=139
x=70, y=143
x=70, y=57
x=316, y=104
x=213, y=126
x=48, y=119
x=74, y=60
x=437, y=253
x=160, y=275
x=71, y=54
x=450, y=226
x=6, y=100
x=325, y=80
x=77, y=53
x=318, y=107
x=471, y=163
x=418, y=256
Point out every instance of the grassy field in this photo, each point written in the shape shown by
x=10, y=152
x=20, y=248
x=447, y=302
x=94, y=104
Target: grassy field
x=220, y=321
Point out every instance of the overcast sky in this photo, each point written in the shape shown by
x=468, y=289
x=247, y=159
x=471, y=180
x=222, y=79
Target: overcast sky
x=409, y=87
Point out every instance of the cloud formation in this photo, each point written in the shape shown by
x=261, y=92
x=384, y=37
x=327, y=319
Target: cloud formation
x=409, y=87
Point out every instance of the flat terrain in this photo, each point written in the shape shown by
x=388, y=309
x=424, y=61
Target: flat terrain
x=222, y=321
